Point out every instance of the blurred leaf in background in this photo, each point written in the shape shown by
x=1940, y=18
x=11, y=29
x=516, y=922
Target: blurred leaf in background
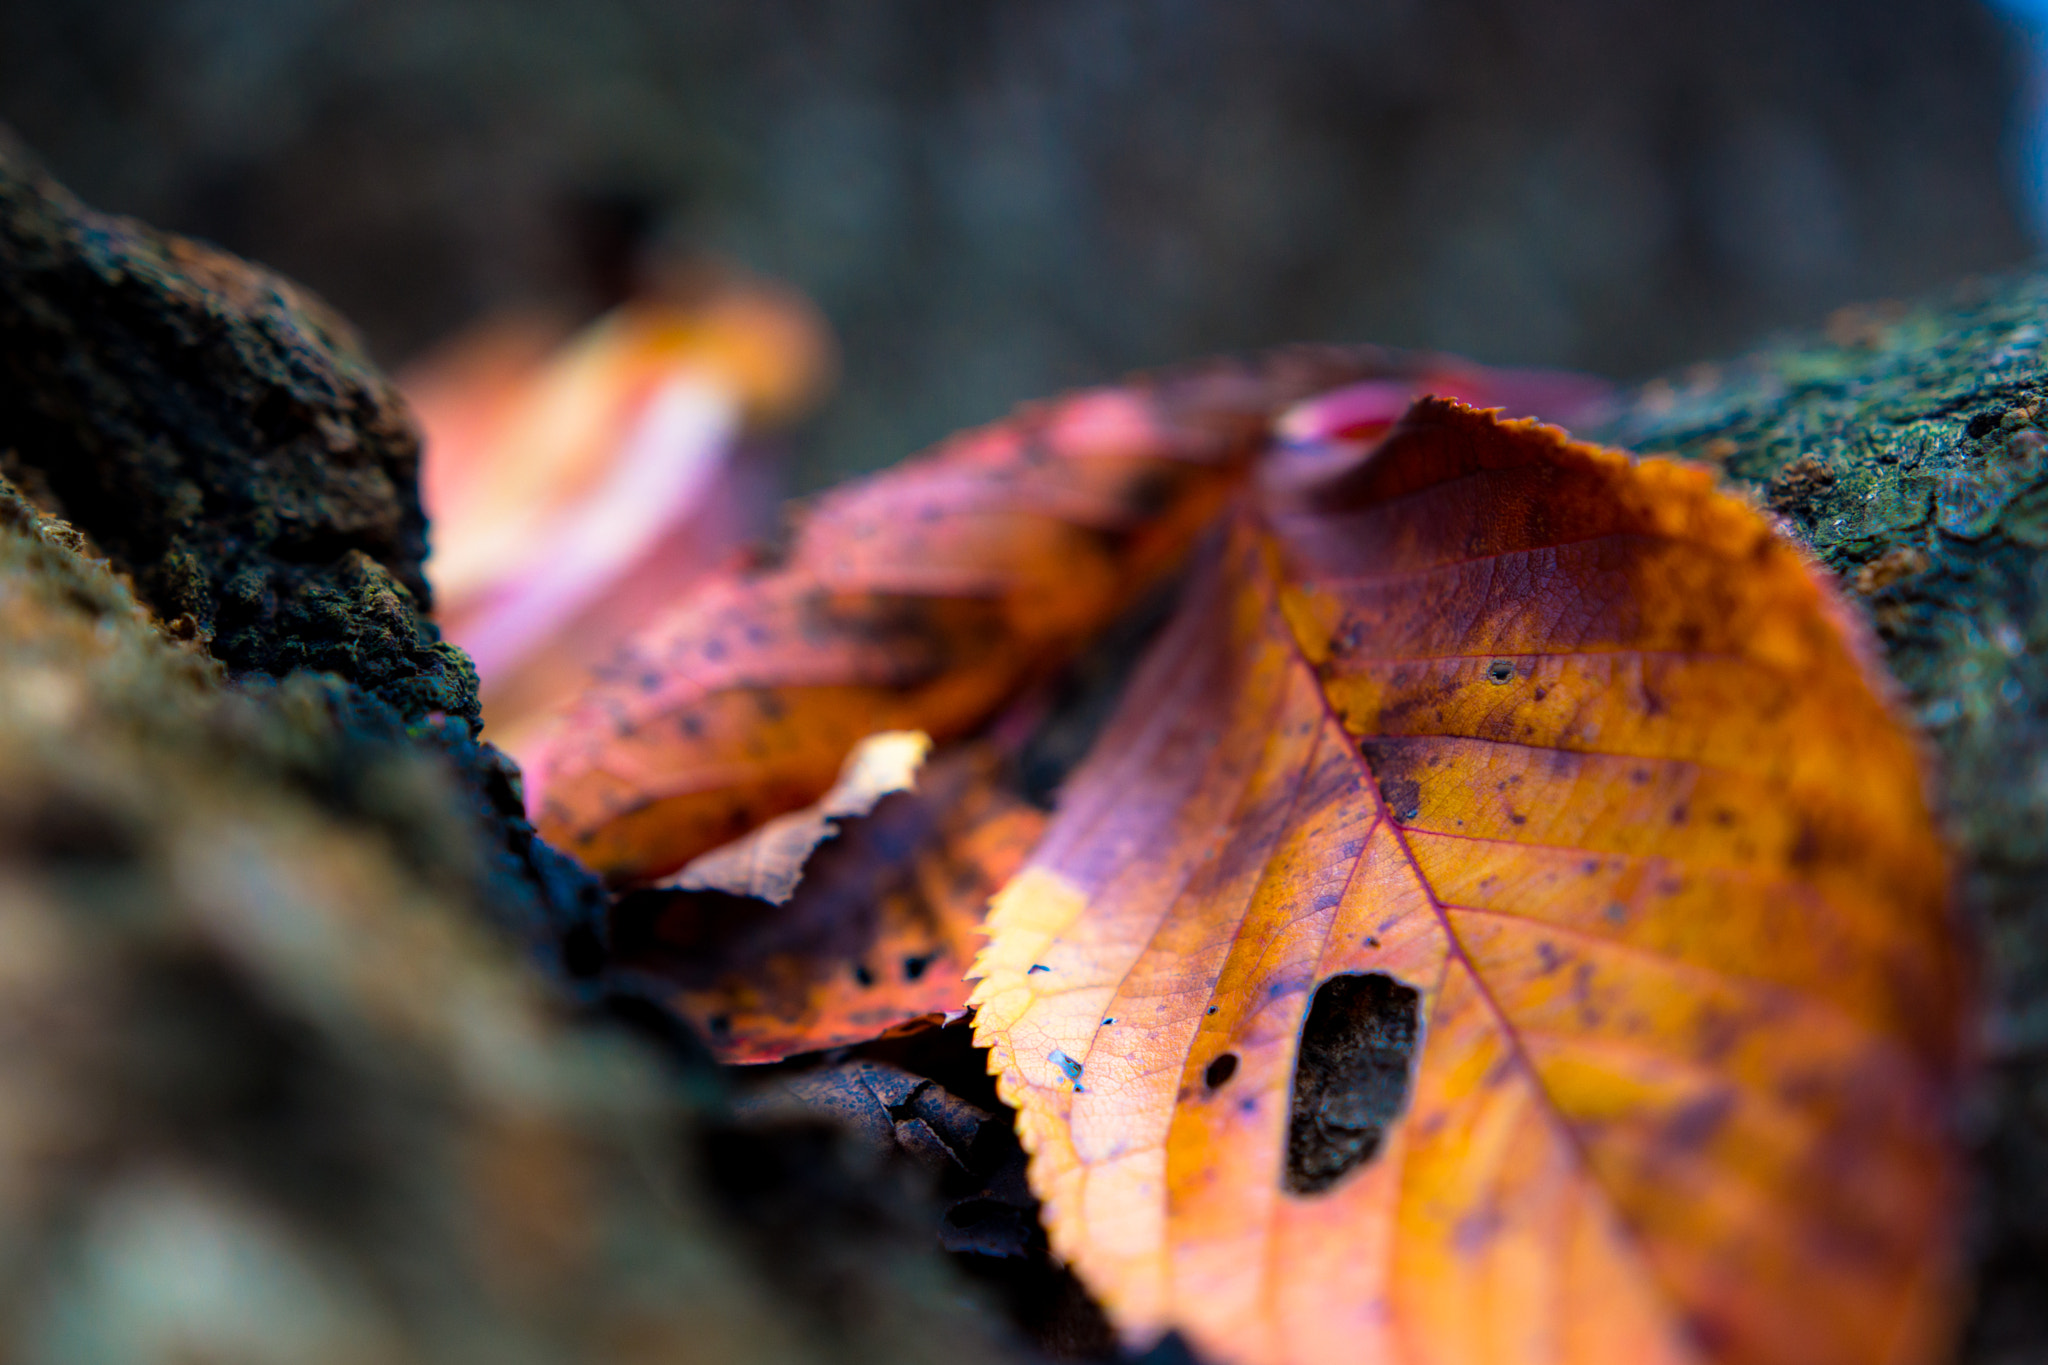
x=577, y=483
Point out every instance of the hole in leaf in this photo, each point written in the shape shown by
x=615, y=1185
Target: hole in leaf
x=1220, y=1070
x=1500, y=671
x=1351, y=1078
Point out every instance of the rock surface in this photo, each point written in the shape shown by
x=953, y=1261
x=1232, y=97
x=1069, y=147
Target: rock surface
x=279, y=1091
x=275, y=1094
x=220, y=435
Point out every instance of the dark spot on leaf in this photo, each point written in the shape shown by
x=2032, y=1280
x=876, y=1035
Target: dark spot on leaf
x=1582, y=995
x=1716, y=1034
x=1394, y=764
x=1404, y=798
x=862, y=974
x=1151, y=494
x=1066, y=1064
x=1220, y=1070
x=1693, y=1125
x=1710, y=1335
x=1351, y=1077
x=1472, y=1232
x=1211, y=1009
x=1372, y=943
x=1107, y=1022
x=913, y=967
x=1805, y=850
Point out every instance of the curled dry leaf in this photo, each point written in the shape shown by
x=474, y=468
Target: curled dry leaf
x=922, y=598
x=888, y=1109
x=767, y=863
x=1503, y=924
x=876, y=937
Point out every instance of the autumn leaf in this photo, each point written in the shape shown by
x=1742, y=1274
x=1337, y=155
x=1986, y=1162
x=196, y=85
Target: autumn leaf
x=578, y=481
x=768, y=863
x=1502, y=924
x=924, y=598
x=882, y=919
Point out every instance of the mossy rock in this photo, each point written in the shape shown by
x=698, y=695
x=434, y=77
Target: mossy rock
x=220, y=435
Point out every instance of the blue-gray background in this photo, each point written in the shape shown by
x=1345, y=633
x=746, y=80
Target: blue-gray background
x=994, y=200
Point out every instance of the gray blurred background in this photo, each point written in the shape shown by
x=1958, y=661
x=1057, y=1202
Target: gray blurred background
x=993, y=200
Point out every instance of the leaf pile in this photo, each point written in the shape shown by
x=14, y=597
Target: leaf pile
x=922, y=599
x=875, y=937
x=1502, y=921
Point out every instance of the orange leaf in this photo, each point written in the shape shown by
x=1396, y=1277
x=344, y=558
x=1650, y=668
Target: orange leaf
x=920, y=599
x=1559, y=784
x=875, y=938
x=768, y=863
x=576, y=483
